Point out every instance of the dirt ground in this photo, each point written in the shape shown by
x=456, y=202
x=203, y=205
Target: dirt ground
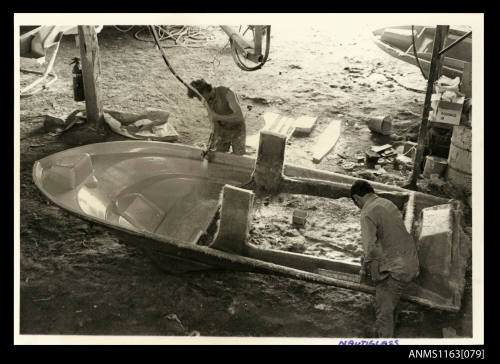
x=78, y=279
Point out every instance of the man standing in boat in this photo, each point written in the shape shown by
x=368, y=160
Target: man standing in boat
x=389, y=253
x=226, y=114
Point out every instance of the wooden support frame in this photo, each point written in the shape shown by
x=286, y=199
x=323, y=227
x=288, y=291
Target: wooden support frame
x=242, y=44
x=247, y=48
x=91, y=69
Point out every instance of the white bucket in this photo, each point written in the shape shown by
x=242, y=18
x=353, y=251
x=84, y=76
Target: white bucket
x=380, y=124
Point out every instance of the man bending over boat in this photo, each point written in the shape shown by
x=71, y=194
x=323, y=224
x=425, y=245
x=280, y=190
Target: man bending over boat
x=225, y=112
x=389, y=253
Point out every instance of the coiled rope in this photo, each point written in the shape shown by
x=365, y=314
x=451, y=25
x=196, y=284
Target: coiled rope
x=180, y=35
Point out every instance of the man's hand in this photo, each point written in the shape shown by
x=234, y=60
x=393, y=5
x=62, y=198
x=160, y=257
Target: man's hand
x=363, y=275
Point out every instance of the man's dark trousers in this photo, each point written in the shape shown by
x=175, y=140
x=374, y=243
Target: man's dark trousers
x=387, y=295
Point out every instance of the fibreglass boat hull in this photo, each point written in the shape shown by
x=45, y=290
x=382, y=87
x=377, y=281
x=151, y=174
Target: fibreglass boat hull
x=163, y=198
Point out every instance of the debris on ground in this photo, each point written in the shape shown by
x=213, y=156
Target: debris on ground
x=151, y=124
x=436, y=180
x=389, y=152
x=348, y=166
x=409, y=149
x=173, y=317
x=402, y=162
x=299, y=217
x=381, y=148
x=371, y=158
x=53, y=124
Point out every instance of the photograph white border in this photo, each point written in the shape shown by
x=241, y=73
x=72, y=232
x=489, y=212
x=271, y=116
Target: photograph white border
x=475, y=20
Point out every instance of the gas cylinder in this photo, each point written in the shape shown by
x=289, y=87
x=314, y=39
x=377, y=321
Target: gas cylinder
x=78, y=91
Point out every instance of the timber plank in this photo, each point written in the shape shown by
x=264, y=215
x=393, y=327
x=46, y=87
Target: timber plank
x=327, y=140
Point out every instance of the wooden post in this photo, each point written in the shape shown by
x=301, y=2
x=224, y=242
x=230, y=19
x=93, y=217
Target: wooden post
x=467, y=80
x=434, y=71
x=91, y=69
x=235, y=220
x=268, y=172
x=257, y=38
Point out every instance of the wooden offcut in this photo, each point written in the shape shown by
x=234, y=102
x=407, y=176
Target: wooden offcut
x=381, y=148
x=326, y=141
x=91, y=69
x=304, y=125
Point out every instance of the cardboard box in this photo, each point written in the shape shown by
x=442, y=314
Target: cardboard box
x=446, y=112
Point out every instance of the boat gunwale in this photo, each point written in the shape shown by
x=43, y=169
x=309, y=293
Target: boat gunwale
x=289, y=169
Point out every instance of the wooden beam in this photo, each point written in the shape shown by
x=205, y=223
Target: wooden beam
x=91, y=69
x=257, y=38
x=435, y=69
x=443, y=51
x=246, y=47
x=243, y=45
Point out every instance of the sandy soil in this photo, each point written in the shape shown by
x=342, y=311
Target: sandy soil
x=78, y=279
